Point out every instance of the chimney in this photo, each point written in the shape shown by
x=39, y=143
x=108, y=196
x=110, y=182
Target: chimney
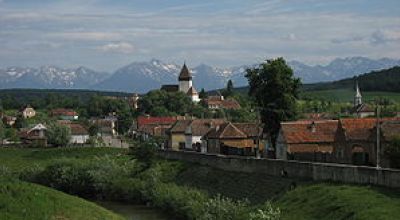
x=313, y=127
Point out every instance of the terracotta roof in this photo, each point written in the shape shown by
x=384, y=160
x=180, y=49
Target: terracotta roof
x=234, y=130
x=215, y=98
x=63, y=112
x=170, y=88
x=199, y=127
x=358, y=128
x=143, y=120
x=77, y=129
x=180, y=126
x=303, y=132
x=185, y=73
x=390, y=130
x=155, y=129
x=223, y=103
x=250, y=129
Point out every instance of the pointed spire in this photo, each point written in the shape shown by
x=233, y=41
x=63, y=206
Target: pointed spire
x=357, y=97
x=185, y=73
x=358, y=93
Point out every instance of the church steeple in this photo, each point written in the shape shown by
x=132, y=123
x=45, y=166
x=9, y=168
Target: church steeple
x=185, y=79
x=185, y=74
x=357, y=97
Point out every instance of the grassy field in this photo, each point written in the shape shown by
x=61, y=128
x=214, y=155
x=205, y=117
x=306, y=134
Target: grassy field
x=346, y=95
x=327, y=201
x=177, y=185
x=21, y=200
x=17, y=159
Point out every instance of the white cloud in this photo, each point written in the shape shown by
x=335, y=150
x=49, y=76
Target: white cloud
x=119, y=47
x=91, y=36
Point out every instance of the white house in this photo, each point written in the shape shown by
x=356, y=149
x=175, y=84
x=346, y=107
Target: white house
x=79, y=134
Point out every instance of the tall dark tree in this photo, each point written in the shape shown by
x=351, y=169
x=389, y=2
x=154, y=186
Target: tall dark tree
x=276, y=90
x=202, y=94
x=229, y=86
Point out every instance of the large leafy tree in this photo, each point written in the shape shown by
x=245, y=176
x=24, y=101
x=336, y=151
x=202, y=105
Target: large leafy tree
x=58, y=135
x=162, y=103
x=275, y=90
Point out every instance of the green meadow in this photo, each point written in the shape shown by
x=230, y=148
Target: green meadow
x=183, y=190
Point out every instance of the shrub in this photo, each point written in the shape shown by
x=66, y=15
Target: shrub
x=221, y=208
x=268, y=212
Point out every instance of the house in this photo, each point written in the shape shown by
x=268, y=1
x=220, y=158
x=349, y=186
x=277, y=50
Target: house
x=196, y=129
x=307, y=140
x=185, y=85
x=219, y=102
x=177, y=139
x=348, y=140
x=107, y=126
x=9, y=120
x=34, y=136
x=79, y=134
x=147, y=126
x=360, y=109
x=234, y=139
x=64, y=114
x=27, y=112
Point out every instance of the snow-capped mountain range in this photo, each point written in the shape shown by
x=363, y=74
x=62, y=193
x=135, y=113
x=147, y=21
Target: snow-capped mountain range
x=144, y=76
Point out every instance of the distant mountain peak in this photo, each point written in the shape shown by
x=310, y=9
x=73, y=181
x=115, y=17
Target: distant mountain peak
x=147, y=75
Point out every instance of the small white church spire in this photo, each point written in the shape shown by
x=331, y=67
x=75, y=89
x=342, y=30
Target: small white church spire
x=357, y=97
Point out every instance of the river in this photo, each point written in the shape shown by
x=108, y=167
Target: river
x=134, y=212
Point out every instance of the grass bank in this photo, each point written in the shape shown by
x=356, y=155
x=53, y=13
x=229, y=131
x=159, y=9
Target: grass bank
x=21, y=200
x=332, y=201
x=191, y=191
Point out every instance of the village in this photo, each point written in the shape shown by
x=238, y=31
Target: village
x=358, y=138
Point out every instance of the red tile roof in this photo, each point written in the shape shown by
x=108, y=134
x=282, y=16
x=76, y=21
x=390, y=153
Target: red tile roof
x=234, y=130
x=77, y=129
x=63, y=112
x=144, y=120
x=302, y=132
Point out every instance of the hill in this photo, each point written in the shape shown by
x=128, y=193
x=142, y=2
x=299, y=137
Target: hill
x=328, y=201
x=387, y=80
x=21, y=200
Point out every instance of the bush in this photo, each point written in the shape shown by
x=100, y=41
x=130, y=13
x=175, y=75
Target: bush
x=266, y=213
x=220, y=208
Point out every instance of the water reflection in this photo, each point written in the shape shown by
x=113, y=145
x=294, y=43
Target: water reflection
x=134, y=212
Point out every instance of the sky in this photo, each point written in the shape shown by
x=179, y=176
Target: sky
x=107, y=34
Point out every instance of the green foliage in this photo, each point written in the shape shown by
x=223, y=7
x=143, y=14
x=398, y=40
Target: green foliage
x=383, y=80
x=221, y=208
x=202, y=94
x=144, y=152
x=93, y=130
x=58, y=135
x=329, y=201
x=392, y=152
x=276, y=91
x=267, y=212
x=162, y=103
x=11, y=134
x=20, y=122
x=21, y=200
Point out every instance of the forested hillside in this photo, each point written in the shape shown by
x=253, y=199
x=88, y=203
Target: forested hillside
x=387, y=80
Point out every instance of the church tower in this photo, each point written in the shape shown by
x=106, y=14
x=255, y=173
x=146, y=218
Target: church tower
x=185, y=79
x=357, y=97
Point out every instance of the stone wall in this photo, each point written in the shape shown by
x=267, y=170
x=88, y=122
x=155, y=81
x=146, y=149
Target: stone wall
x=305, y=170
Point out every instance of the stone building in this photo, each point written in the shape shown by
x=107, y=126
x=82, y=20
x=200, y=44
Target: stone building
x=185, y=85
x=349, y=141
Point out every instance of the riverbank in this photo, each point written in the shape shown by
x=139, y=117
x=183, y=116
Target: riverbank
x=191, y=191
x=21, y=200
